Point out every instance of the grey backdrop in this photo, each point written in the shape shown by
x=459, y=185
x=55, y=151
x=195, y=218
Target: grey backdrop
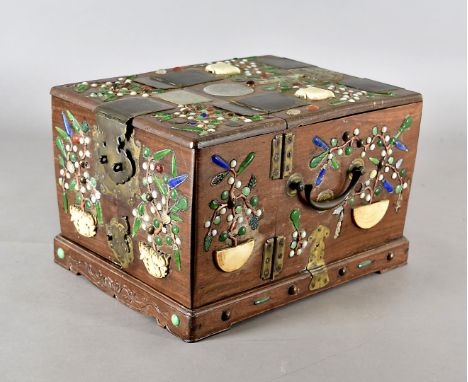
x=405, y=325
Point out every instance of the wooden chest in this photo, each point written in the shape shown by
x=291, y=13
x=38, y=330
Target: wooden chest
x=207, y=194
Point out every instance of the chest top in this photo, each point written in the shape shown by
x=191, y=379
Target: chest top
x=211, y=103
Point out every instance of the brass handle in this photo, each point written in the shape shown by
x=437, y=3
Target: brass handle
x=300, y=186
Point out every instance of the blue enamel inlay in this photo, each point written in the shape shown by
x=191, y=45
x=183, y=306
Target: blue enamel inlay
x=220, y=162
x=175, y=182
x=320, y=176
x=66, y=124
x=387, y=186
x=320, y=143
x=400, y=146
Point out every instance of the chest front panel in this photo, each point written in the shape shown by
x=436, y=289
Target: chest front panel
x=237, y=250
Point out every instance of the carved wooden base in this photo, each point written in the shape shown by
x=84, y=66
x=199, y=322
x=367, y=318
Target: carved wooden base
x=193, y=325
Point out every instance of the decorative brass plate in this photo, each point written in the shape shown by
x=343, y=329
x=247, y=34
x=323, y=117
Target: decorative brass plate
x=119, y=240
x=316, y=265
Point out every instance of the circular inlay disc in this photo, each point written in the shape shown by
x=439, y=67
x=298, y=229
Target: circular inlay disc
x=228, y=90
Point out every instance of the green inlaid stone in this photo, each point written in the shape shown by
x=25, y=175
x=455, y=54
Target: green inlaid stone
x=295, y=216
x=333, y=142
x=175, y=230
x=72, y=184
x=73, y=157
x=254, y=200
x=245, y=163
x=217, y=219
x=379, y=143
x=238, y=209
x=223, y=236
x=348, y=150
x=364, y=264
x=181, y=205
x=392, y=141
x=224, y=195
x=391, y=160
x=173, y=193
x=375, y=130
x=377, y=191
x=84, y=127
x=165, y=178
x=99, y=212
x=78, y=198
x=60, y=253
x=214, y=204
x=60, y=181
x=82, y=87
x=242, y=231
x=156, y=223
x=246, y=191
x=177, y=259
x=175, y=320
x=403, y=172
x=65, y=201
x=144, y=181
x=262, y=300
x=136, y=226
x=88, y=204
x=293, y=244
x=169, y=240
x=93, y=182
x=374, y=160
x=335, y=163
x=141, y=209
x=398, y=189
x=351, y=200
x=316, y=160
x=158, y=240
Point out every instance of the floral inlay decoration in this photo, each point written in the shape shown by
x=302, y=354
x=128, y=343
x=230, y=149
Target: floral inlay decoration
x=203, y=119
x=237, y=206
x=80, y=197
x=112, y=90
x=388, y=175
x=160, y=210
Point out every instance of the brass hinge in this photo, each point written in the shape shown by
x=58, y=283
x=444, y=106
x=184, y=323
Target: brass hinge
x=282, y=150
x=273, y=256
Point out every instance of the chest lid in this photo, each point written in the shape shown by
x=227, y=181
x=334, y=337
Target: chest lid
x=206, y=104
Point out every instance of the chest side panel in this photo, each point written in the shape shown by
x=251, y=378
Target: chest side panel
x=126, y=195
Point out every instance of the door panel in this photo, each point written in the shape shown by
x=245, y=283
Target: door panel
x=214, y=207
x=330, y=170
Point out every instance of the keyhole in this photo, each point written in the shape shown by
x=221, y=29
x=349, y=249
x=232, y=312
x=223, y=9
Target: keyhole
x=118, y=167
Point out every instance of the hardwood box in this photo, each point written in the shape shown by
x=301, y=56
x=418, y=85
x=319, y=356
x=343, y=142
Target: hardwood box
x=207, y=194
